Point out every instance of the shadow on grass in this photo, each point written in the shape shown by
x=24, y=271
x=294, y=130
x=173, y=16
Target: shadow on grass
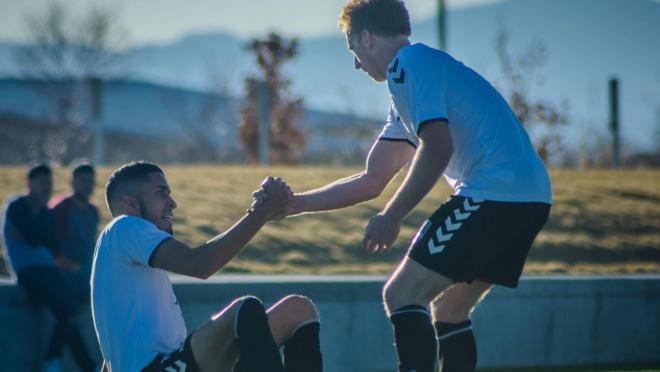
x=633, y=195
x=599, y=224
x=543, y=252
x=316, y=254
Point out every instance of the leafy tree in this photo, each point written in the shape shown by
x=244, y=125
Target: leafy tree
x=286, y=140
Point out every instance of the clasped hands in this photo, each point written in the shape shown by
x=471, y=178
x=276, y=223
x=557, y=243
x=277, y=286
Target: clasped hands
x=277, y=200
x=274, y=198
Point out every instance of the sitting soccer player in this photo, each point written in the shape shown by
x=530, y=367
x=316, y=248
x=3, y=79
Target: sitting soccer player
x=137, y=317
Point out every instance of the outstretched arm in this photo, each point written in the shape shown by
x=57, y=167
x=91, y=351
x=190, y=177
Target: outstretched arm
x=207, y=259
x=385, y=159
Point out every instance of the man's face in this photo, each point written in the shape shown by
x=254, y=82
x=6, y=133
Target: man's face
x=365, y=56
x=156, y=203
x=83, y=185
x=41, y=187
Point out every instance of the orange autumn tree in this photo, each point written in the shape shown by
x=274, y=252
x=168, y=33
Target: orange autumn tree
x=286, y=141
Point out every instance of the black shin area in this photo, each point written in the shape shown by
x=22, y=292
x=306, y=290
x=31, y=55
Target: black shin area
x=458, y=349
x=257, y=349
x=302, y=352
x=66, y=333
x=414, y=335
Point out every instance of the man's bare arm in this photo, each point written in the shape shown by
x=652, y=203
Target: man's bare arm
x=207, y=259
x=435, y=151
x=385, y=159
x=430, y=161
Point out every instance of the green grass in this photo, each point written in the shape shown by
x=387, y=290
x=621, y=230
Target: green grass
x=602, y=222
x=579, y=369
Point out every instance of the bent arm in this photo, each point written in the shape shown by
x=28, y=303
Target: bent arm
x=385, y=159
x=430, y=162
x=205, y=260
x=22, y=228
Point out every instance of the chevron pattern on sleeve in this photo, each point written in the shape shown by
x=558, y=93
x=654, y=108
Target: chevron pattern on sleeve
x=398, y=74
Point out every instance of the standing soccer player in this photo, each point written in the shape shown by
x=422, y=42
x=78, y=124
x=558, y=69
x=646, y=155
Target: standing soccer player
x=447, y=119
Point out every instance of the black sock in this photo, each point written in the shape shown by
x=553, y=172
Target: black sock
x=302, y=352
x=66, y=332
x=57, y=340
x=458, y=349
x=257, y=349
x=79, y=350
x=415, y=339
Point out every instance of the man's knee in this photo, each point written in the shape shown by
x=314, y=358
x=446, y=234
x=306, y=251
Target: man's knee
x=451, y=310
x=64, y=308
x=300, y=308
x=249, y=309
x=389, y=296
x=457, y=304
x=396, y=295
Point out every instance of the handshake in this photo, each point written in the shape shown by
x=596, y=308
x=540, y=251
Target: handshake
x=274, y=199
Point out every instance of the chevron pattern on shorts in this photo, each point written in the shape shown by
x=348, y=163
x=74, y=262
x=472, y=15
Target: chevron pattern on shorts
x=452, y=223
x=180, y=367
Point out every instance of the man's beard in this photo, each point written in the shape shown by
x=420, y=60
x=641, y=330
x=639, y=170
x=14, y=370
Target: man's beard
x=143, y=209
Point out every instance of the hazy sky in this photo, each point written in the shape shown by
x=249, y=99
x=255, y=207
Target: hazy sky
x=149, y=21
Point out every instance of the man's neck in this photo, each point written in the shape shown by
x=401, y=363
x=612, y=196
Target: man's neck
x=80, y=201
x=34, y=202
x=393, y=48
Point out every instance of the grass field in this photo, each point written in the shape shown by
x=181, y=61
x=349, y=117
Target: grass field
x=578, y=369
x=601, y=221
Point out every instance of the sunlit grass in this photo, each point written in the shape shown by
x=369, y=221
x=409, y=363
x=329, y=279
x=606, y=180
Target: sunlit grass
x=601, y=222
x=579, y=369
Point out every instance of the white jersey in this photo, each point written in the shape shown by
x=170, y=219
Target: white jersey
x=136, y=314
x=493, y=156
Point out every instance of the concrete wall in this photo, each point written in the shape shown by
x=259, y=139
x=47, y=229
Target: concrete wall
x=547, y=321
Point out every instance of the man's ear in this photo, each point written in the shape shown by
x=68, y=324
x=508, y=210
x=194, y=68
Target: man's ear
x=366, y=38
x=130, y=205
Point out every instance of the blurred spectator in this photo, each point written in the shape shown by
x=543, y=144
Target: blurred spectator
x=76, y=222
x=34, y=257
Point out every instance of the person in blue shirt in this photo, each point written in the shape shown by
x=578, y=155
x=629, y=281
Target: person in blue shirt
x=34, y=256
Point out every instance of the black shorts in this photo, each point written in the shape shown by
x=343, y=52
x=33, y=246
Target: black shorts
x=181, y=359
x=468, y=239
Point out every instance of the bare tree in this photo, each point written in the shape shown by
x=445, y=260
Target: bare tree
x=196, y=121
x=286, y=140
x=63, y=48
x=538, y=115
x=61, y=56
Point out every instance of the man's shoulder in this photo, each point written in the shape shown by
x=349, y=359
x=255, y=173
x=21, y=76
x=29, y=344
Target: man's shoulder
x=94, y=209
x=416, y=59
x=127, y=222
x=418, y=54
x=60, y=202
x=16, y=200
x=15, y=203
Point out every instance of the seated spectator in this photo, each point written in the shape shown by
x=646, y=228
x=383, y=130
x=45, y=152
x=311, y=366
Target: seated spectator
x=76, y=222
x=34, y=256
